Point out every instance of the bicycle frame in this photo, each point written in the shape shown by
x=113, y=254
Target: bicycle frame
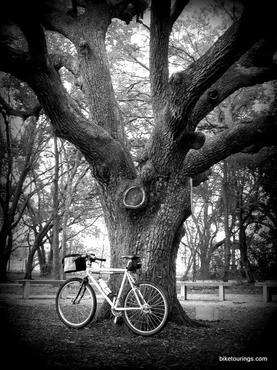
x=126, y=277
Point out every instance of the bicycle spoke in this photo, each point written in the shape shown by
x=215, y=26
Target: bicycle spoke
x=151, y=317
x=76, y=303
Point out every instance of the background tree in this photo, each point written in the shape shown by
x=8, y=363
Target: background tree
x=77, y=207
x=144, y=206
x=262, y=245
x=18, y=137
x=252, y=221
x=27, y=172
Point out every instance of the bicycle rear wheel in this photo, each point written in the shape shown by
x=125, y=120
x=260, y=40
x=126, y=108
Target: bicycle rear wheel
x=150, y=319
x=76, y=303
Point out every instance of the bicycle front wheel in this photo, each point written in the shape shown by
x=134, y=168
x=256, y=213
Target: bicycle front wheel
x=151, y=317
x=76, y=303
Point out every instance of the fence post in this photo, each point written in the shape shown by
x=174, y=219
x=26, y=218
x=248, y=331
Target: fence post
x=26, y=289
x=221, y=292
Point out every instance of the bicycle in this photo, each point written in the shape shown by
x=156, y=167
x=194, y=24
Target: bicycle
x=145, y=306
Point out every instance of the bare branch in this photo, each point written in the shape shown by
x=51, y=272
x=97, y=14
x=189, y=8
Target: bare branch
x=186, y=86
x=138, y=61
x=10, y=111
x=262, y=130
x=254, y=67
x=176, y=9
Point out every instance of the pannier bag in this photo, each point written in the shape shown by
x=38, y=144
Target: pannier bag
x=74, y=263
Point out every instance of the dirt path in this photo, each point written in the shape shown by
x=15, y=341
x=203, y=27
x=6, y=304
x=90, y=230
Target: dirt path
x=36, y=338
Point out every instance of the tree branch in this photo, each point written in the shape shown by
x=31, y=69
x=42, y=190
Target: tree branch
x=10, y=111
x=176, y=9
x=262, y=130
x=99, y=148
x=54, y=17
x=188, y=85
x=126, y=10
x=254, y=67
x=65, y=60
x=36, y=40
x=160, y=28
x=105, y=154
x=13, y=60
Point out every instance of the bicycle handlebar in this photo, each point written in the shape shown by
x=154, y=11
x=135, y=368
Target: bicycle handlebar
x=100, y=259
x=93, y=258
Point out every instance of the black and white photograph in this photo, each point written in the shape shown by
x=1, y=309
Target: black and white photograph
x=138, y=184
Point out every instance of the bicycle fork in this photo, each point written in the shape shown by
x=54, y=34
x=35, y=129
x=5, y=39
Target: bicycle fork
x=81, y=292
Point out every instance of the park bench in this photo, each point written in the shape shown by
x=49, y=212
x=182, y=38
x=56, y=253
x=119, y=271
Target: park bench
x=188, y=284
x=268, y=288
x=9, y=285
x=26, y=284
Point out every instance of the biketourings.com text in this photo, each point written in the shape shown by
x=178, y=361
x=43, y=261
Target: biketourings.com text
x=242, y=359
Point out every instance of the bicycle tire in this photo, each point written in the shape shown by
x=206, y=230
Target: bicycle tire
x=153, y=317
x=80, y=313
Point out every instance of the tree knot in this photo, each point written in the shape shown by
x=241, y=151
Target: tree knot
x=176, y=78
x=213, y=95
x=84, y=48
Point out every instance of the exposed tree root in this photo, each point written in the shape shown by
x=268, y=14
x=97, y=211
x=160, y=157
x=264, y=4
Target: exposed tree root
x=180, y=317
x=177, y=315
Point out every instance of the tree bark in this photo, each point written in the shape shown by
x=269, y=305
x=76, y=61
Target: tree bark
x=140, y=232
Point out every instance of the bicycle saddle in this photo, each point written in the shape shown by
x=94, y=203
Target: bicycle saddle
x=131, y=257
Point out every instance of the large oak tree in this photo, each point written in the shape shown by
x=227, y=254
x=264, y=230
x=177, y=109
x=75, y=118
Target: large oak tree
x=144, y=206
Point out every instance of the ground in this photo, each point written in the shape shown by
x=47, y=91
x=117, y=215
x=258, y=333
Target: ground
x=35, y=337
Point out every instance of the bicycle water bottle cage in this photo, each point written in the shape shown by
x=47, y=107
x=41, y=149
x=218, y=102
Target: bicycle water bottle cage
x=133, y=263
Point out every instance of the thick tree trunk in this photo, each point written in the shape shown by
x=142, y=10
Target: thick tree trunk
x=154, y=233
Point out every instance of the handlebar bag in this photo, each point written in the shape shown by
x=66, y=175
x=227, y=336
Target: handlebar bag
x=74, y=263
